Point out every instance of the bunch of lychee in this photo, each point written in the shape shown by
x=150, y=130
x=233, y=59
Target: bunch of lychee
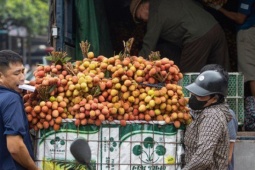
x=99, y=89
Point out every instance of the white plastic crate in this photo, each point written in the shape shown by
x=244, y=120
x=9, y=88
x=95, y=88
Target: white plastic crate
x=138, y=145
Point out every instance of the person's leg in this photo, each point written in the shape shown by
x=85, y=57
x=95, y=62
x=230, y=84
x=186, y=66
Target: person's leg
x=247, y=89
x=169, y=51
x=252, y=86
x=246, y=56
x=194, y=55
x=219, y=52
x=209, y=49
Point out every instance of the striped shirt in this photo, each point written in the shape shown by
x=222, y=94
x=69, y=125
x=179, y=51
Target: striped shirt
x=206, y=139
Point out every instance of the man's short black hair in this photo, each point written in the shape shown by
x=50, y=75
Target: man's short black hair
x=7, y=57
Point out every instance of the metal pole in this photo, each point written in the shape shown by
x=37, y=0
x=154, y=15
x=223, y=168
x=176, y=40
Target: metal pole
x=60, y=25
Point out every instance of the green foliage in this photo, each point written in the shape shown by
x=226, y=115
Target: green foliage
x=58, y=60
x=68, y=165
x=61, y=58
x=32, y=14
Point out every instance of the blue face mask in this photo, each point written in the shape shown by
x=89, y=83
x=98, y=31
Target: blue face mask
x=195, y=104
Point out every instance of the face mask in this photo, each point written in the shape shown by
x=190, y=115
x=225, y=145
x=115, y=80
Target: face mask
x=195, y=104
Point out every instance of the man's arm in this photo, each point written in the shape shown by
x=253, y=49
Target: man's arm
x=231, y=150
x=19, y=152
x=245, y=8
x=153, y=31
x=232, y=130
x=235, y=16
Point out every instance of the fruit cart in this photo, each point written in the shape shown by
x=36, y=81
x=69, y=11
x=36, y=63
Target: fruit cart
x=138, y=145
x=131, y=110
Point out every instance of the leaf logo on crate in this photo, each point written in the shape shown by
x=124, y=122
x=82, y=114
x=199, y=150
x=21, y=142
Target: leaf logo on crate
x=113, y=144
x=57, y=143
x=151, y=151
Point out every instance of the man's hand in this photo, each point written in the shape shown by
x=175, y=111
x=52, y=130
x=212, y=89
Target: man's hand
x=214, y=6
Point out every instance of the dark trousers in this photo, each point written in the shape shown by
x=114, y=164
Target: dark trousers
x=209, y=49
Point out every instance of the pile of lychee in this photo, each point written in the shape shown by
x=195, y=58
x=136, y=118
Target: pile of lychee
x=101, y=89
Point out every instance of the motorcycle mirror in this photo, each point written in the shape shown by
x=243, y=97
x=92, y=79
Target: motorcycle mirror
x=81, y=151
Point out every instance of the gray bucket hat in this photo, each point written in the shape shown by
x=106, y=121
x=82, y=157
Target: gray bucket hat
x=133, y=7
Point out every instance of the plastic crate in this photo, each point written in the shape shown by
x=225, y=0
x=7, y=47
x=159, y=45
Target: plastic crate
x=138, y=145
x=235, y=96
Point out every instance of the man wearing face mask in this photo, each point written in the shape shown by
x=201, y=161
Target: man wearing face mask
x=206, y=138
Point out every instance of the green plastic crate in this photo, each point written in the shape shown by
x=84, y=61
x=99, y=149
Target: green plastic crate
x=235, y=97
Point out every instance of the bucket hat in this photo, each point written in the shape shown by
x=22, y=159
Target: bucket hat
x=133, y=7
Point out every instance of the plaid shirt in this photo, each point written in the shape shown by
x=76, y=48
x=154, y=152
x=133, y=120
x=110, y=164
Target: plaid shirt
x=206, y=139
